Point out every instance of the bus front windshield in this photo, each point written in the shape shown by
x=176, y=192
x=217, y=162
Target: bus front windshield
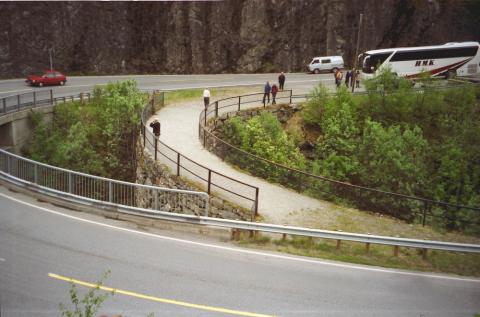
x=367, y=67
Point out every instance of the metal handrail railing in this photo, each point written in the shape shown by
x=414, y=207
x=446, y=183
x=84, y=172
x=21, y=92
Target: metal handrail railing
x=230, y=188
x=214, y=110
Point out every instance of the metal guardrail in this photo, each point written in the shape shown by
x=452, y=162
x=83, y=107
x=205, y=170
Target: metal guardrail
x=241, y=225
x=231, y=106
x=213, y=181
x=26, y=100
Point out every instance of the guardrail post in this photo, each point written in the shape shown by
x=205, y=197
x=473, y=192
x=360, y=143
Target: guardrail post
x=216, y=109
x=88, y=97
x=339, y=244
x=156, y=148
x=73, y=99
x=4, y=105
x=51, y=96
x=81, y=97
x=291, y=96
x=178, y=164
x=424, y=254
x=34, y=98
x=155, y=200
x=395, y=251
x=209, y=180
x=239, y=103
x=64, y=99
x=110, y=192
x=367, y=247
x=18, y=102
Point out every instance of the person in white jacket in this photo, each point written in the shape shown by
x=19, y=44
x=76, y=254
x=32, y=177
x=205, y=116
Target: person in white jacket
x=206, y=97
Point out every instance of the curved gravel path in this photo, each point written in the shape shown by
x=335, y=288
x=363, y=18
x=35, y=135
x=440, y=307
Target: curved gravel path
x=180, y=131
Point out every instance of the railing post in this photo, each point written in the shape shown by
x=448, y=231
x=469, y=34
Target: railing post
x=18, y=102
x=34, y=98
x=209, y=180
x=35, y=173
x=64, y=99
x=425, y=207
x=255, y=210
x=239, y=103
x=290, y=96
x=110, y=192
x=88, y=97
x=70, y=182
x=4, y=105
x=156, y=148
x=216, y=109
x=9, y=165
x=81, y=97
x=73, y=99
x=155, y=200
x=51, y=96
x=178, y=164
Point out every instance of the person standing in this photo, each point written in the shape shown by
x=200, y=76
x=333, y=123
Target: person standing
x=281, y=81
x=266, y=92
x=338, y=78
x=348, y=76
x=155, y=125
x=274, y=93
x=206, y=97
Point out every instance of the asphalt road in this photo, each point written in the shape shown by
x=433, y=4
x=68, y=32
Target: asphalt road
x=297, y=81
x=38, y=241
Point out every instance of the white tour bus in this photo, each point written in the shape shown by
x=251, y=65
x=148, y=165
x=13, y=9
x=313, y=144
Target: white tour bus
x=449, y=60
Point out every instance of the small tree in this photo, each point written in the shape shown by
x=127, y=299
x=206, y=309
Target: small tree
x=89, y=305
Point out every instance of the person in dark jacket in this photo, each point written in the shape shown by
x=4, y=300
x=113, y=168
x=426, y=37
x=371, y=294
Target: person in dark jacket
x=274, y=93
x=281, y=81
x=348, y=76
x=155, y=125
x=266, y=92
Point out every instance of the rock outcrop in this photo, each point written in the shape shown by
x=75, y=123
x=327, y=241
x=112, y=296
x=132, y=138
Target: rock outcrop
x=217, y=36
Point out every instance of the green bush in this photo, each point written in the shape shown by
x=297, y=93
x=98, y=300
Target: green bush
x=97, y=137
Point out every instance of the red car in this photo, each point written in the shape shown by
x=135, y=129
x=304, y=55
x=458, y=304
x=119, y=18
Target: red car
x=50, y=77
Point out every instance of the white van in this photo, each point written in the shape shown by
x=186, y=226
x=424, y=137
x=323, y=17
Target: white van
x=325, y=63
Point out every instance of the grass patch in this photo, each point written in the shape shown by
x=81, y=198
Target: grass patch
x=378, y=255
x=184, y=95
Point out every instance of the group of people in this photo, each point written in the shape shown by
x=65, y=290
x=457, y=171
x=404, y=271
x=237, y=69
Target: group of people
x=350, y=76
x=273, y=89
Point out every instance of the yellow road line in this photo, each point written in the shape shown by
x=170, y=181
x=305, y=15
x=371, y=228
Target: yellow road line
x=156, y=299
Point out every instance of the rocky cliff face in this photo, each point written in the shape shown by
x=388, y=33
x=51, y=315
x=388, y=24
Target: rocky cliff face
x=217, y=36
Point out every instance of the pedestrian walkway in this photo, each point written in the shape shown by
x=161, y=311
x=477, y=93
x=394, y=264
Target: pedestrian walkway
x=180, y=131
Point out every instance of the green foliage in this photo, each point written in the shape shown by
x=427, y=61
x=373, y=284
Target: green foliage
x=89, y=305
x=394, y=138
x=97, y=137
x=263, y=136
x=336, y=147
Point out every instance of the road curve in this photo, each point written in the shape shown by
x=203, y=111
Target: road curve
x=38, y=239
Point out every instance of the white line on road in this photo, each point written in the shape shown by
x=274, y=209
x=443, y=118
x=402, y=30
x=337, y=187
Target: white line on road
x=271, y=255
